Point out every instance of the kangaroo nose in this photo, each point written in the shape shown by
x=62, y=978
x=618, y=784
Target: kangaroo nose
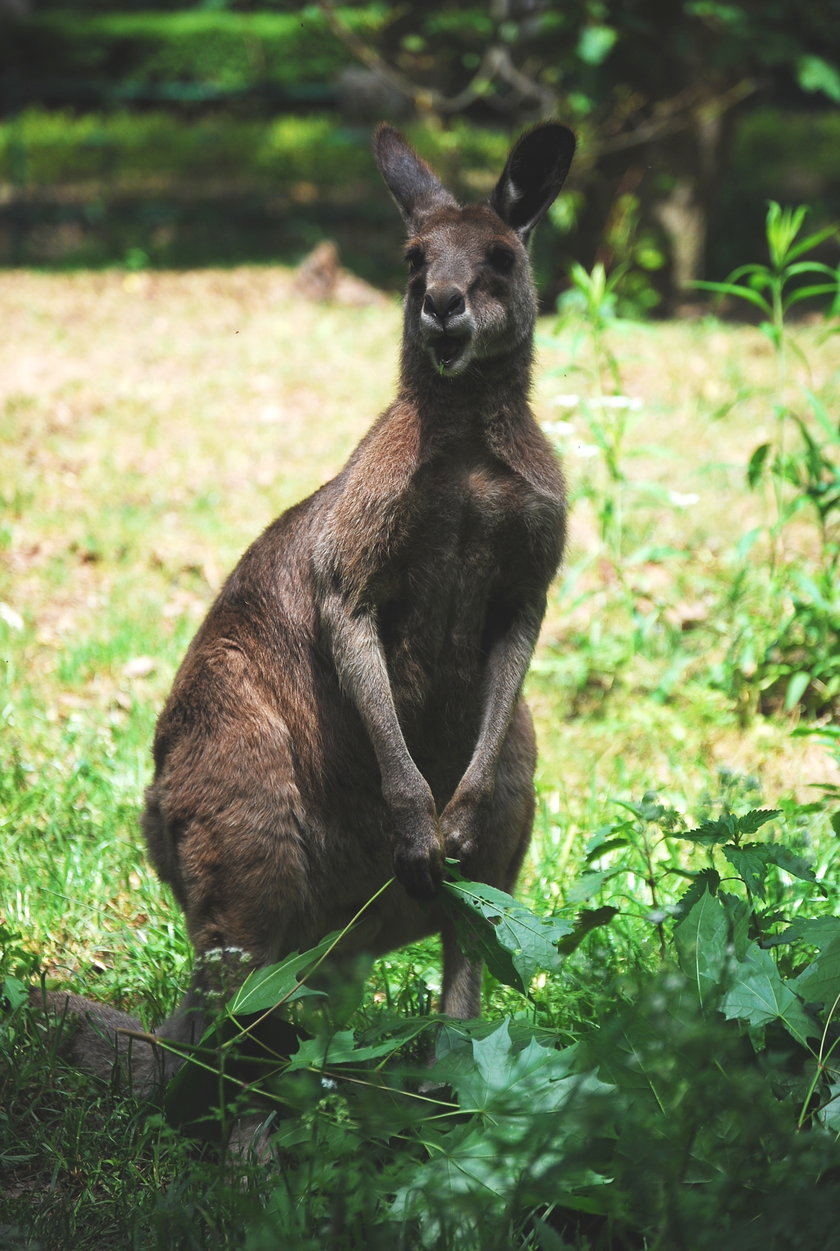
x=443, y=302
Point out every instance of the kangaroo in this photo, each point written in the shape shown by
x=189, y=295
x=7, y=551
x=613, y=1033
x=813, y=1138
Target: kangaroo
x=351, y=707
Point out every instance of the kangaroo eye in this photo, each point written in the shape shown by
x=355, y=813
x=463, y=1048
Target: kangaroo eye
x=415, y=259
x=501, y=258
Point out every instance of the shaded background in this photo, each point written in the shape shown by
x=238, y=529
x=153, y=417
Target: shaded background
x=222, y=131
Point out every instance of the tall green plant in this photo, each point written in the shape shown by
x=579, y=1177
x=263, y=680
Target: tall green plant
x=775, y=289
x=590, y=308
x=676, y=1113
x=510, y=1139
x=798, y=657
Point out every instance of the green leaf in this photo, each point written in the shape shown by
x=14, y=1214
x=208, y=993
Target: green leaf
x=705, y=880
x=596, y=43
x=588, y=919
x=829, y=424
x=813, y=267
x=339, y=1048
x=521, y=1080
x=758, y=274
x=788, y=860
x=751, y=861
x=820, y=982
x=829, y=1113
x=755, y=468
x=750, y=865
x=14, y=992
x=491, y=925
x=759, y=995
x=798, y=684
x=730, y=827
x=752, y=821
x=781, y=228
x=549, y=1239
x=818, y=75
x=739, y=915
x=529, y=1105
x=809, y=293
x=815, y=931
x=601, y=849
x=587, y=885
x=280, y=983
x=701, y=939
x=731, y=288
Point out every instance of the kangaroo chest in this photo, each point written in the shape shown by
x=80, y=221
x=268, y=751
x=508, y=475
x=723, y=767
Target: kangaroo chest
x=461, y=532
x=466, y=556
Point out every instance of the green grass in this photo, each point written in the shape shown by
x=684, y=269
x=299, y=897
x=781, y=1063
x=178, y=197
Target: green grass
x=152, y=425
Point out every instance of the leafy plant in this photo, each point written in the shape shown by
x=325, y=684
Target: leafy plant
x=509, y=1136
x=589, y=313
x=794, y=663
x=593, y=299
x=774, y=289
x=506, y=1138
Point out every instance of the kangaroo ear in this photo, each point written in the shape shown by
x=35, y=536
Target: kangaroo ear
x=416, y=188
x=535, y=171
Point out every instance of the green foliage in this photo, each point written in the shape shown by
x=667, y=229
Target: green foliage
x=772, y=149
x=775, y=288
x=128, y=149
x=588, y=62
x=798, y=658
x=491, y=926
x=591, y=49
x=189, y=56
x=509, y=1134
x=591, y=308
x=511, y=1131
x=778, y=611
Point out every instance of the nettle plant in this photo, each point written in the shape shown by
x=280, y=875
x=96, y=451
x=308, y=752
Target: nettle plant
x=607, y=580
x=796, y=663
x=590, y=309
x=688, y=1096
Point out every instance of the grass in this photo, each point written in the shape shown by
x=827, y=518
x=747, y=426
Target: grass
x=153, y=423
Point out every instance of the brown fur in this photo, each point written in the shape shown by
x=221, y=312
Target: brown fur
x=351, y=706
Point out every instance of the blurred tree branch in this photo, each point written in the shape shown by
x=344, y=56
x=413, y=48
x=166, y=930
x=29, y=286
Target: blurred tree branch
x=496, y=66
x=679, y=113
x=526, y=93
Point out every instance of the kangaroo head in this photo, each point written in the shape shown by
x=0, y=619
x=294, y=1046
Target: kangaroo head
x=470, y=293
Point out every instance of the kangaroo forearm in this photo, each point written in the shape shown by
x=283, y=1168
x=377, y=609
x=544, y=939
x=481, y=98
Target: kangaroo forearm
x=363, y=673
x=502, y=686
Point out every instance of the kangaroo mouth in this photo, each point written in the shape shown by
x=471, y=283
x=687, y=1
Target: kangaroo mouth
x=447, y=351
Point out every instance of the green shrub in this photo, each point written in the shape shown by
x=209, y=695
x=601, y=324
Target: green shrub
x=117, y=53
x=776, y=154
x=794, y=661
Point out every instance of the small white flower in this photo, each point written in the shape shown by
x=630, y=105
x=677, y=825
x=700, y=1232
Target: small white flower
x=683, y=500
x=558, y=429
x=615, y=401
x=270, y=413
x=11, y=617
x=139, y=667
